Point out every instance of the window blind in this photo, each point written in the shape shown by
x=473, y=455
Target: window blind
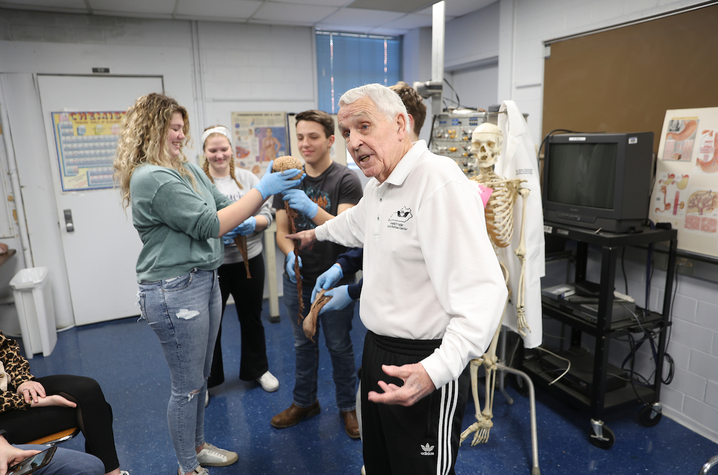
x=346, y=60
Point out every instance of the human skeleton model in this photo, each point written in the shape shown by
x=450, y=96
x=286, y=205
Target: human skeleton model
x=486, y=143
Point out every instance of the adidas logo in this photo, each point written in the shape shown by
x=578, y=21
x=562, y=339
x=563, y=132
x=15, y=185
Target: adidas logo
x=427, y=449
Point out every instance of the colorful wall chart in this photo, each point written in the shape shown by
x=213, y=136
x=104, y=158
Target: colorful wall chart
x=86, y=144
x=685, y=193
x=258, y=138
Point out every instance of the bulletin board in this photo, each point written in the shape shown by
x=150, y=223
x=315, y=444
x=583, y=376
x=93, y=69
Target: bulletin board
x=625, y=79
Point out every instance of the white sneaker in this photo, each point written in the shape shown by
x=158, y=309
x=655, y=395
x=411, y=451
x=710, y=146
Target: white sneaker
x=196, y=471
x=363, y=472
x=268, y=382
x=215, y=457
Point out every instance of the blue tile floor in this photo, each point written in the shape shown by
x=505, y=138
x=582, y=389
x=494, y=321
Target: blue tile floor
x=125, y=357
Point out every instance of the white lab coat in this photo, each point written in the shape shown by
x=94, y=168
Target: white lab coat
x=518, y=160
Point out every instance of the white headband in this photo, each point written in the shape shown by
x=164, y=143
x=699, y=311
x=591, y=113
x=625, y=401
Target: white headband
x=220, y=129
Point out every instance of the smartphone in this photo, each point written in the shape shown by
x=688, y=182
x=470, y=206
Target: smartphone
x=33, y=463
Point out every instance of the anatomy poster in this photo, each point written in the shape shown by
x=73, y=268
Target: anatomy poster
x=685, y=193
x=259, y=138
x=679, y=138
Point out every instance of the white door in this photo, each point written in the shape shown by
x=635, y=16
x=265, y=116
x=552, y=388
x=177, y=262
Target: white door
x=100, y=244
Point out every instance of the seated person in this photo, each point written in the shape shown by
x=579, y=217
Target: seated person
x=31, y=408
x=64, y=462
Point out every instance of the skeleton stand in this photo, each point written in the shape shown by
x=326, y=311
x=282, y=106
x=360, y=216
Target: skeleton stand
x=486, y=141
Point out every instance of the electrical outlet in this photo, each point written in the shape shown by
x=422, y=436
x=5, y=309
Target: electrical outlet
x=684, y=266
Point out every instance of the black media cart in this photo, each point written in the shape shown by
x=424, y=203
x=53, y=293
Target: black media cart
x=595, y=396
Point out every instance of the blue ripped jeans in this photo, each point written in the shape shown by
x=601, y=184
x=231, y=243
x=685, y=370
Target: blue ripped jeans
x=185, y=313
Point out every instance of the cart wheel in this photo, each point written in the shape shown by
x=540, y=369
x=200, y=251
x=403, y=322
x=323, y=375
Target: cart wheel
x=520, y=385
x=608, y=440
x=647, y=417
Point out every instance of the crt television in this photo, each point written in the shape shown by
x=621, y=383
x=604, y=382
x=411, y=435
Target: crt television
x=598, y=180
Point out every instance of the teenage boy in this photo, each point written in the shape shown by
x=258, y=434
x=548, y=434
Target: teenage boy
x=327, y=190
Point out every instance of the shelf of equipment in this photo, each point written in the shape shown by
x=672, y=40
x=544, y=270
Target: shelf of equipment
x=599, y=400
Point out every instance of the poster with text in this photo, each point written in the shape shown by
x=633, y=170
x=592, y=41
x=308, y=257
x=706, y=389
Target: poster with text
x=685, y=193
x=258, y=138
x=86, y=143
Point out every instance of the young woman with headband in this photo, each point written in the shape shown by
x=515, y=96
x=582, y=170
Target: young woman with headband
x=242, y=274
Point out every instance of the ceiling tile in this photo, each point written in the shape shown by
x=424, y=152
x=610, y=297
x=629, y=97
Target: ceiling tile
x=221, y=10
x=326, y=3
x=456, y=8
x=292, y=13
x=337, y=15
x=404, y=6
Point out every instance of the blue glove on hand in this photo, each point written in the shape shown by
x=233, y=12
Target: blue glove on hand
x=273, y=183
x=247, y=227
x=340, y=299
x=298, y=200
x=327, y=280
x=229, y=237
x=290, y=266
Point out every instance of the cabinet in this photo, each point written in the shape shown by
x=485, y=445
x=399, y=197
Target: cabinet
x=595, y=396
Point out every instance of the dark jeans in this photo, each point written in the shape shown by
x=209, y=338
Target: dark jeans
x=247, y=294
x=93, y=415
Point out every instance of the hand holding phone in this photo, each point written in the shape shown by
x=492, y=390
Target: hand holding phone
x=33, y=463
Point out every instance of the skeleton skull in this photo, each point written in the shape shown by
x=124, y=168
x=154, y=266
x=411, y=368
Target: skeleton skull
x=486, y=142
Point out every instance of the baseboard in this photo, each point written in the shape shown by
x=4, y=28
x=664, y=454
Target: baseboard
x=689, y=423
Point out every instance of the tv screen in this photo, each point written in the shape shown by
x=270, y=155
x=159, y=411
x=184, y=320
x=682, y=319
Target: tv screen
x=582, y=174
x=598, y=180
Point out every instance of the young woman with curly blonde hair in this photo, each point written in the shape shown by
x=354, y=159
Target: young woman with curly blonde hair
x=180, y=217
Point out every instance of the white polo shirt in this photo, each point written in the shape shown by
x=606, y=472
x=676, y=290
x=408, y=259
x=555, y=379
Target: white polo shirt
x=430, y=271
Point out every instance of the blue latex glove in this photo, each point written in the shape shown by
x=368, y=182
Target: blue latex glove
x=340, y=299
x=273, y=183
x=247, y=227
x=289, y=265
x=229, y=237
x=298, y=200
x=327, y=280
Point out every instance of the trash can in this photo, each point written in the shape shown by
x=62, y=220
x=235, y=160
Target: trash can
x=33, y=300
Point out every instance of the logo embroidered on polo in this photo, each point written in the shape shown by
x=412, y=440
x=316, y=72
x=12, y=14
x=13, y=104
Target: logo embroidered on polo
x=399, y=218
x=427, y=449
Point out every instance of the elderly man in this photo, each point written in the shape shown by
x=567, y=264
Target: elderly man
x=433, y=289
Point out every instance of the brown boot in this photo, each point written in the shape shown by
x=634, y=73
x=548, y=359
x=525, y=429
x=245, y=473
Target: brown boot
x=294, y=414
x=351, y=425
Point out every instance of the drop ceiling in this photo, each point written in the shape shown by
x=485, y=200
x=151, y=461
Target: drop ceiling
x=380, y=17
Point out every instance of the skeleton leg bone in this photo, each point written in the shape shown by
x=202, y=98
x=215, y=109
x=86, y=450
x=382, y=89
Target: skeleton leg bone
x=482, y=426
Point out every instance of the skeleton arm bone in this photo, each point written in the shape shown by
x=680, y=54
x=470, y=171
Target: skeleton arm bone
x=521, y=322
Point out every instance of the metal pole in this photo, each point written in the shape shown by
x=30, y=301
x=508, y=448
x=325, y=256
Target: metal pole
x=438, y=15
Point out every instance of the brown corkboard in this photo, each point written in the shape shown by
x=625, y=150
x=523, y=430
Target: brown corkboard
x=624, y=80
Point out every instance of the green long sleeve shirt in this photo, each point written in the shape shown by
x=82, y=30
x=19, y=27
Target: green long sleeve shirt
x=178, y=224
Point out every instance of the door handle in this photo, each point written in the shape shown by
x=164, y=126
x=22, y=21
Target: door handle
x=69, y=225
